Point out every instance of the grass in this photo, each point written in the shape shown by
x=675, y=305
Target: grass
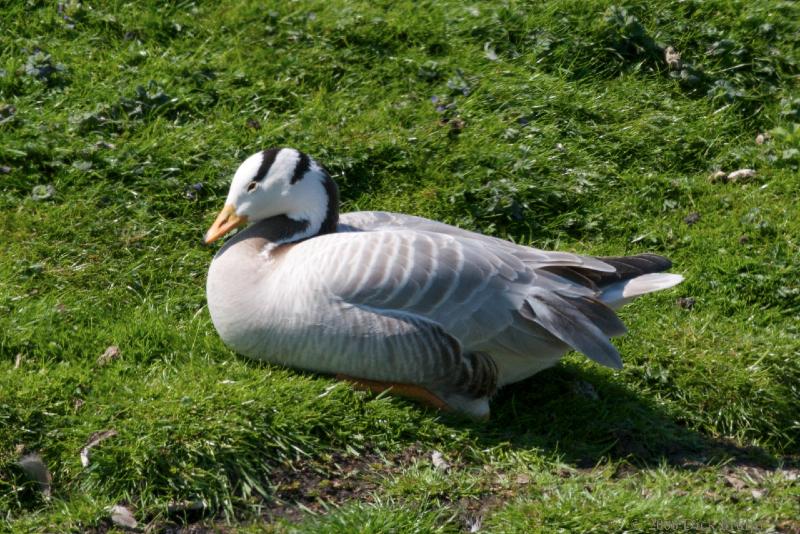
x=556, y=124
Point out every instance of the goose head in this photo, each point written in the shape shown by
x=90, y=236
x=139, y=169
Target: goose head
x=283, y=186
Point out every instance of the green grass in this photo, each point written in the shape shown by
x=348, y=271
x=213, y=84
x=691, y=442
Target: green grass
x=576, y=136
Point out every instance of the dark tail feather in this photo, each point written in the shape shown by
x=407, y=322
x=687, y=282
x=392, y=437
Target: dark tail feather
x=632, y=266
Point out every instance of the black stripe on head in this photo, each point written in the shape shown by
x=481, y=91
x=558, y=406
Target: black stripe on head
x=301, y=168
x=269, y=158
x=332, y=215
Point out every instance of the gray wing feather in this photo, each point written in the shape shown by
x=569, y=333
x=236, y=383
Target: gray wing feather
x=534, y=258
x=581, y=322
x=472, y=291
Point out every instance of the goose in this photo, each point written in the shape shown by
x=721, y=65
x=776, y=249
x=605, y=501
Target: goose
x=390, y=301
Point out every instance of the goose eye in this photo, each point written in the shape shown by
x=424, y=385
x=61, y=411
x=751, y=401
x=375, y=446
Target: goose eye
x=251, y=187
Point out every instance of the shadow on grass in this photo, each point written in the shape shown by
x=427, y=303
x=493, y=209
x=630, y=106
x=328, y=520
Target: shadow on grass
x=586, y=419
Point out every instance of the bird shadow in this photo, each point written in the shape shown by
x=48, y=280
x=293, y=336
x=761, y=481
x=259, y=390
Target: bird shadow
x=586, y=418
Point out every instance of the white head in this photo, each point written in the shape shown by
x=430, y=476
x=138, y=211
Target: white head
x=280, y=182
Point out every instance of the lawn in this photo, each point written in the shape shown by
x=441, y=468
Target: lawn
x=561, y=124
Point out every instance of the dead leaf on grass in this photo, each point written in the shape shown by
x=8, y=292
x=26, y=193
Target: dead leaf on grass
x=673, y=58
x=692, y=218
x=522, y=479
x=122, y=517
x=43, y=192
x=112, y=353
x=93, y=441
x=735, y=482
x=35, y=469
x=439, y=462
x=489, y=51
x=742, y=175
x=757, y=475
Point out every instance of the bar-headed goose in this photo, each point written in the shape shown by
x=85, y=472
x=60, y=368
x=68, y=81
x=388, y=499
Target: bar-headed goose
x=435, y=312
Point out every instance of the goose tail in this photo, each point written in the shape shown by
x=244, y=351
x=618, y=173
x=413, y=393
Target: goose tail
x=586, y=322
x=637, y=275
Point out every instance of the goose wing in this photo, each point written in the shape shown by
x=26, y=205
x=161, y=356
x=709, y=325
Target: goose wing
x=481, y=293
x=533, y=258
x=569, y=296
x=470, y=289
x=486, y=292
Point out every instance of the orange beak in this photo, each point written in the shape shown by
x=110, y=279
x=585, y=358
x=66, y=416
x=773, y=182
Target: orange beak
x=226, y=221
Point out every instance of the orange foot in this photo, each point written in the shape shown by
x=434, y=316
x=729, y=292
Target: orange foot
x=409, y=391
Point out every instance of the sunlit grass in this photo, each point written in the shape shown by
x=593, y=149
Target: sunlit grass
x=556, y=124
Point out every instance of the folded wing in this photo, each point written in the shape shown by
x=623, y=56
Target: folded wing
x=483, y=291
